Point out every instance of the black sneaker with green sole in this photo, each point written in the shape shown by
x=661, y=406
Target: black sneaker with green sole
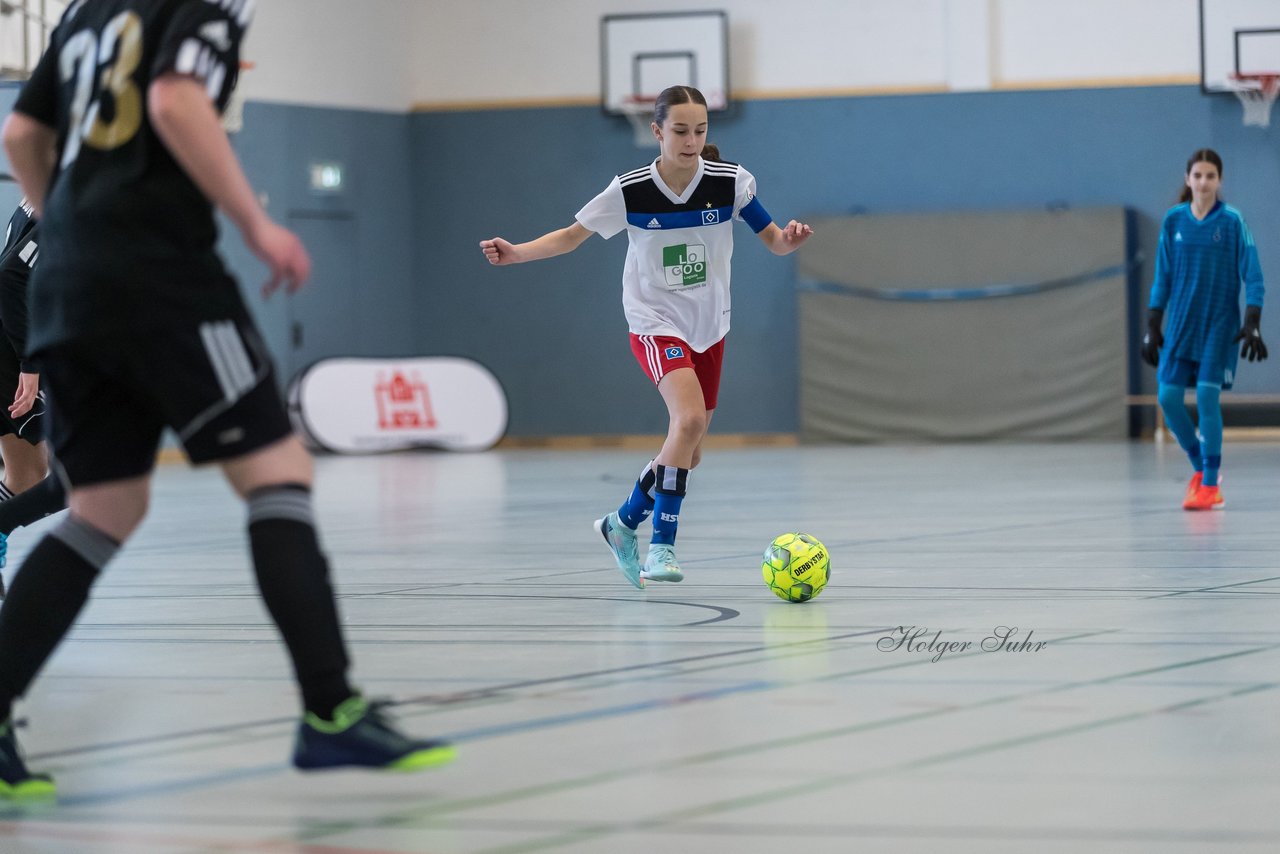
x=360, y=736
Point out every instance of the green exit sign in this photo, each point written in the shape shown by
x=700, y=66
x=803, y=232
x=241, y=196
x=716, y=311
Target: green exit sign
x=327, y=178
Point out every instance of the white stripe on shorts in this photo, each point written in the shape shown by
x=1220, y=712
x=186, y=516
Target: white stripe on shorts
x=232, y=367
x=238, y=356
x=651, y=352
x=228, y=358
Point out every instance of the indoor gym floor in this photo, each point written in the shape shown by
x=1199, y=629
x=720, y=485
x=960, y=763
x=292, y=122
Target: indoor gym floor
x=709, y=715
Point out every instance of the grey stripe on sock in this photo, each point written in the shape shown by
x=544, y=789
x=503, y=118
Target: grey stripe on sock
x=85, y=540
x=5, y=494
x=293, y=505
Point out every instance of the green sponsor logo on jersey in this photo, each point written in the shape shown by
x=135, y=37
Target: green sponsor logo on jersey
x=685, y=264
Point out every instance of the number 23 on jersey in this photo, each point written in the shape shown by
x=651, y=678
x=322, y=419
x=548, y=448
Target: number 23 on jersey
x=109, y=61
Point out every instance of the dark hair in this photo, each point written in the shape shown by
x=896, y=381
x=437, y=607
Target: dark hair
x=1202, y=155
x=673, y=95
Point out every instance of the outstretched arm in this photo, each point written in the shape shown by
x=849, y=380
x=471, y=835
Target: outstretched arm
x=784, y=241
x=557, y=242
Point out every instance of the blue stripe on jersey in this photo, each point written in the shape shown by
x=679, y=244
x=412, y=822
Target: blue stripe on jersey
x=756, y=216
x=680, y=219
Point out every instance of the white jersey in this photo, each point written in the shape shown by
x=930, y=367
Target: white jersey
x=676, y=278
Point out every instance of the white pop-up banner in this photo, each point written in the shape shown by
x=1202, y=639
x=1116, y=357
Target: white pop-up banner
x=361, y=406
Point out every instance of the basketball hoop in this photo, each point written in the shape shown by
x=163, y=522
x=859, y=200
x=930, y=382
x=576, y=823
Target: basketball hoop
x=1257, y=94
x=233, y=113
x=639, y=112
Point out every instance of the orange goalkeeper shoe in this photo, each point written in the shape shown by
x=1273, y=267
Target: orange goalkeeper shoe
x=1206, y=498
x=1193, y=486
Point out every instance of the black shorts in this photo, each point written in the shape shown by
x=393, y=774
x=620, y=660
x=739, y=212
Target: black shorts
x=31, y=426
x=211, y=382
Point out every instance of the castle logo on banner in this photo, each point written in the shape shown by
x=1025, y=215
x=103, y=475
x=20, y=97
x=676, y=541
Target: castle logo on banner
x=403, y=403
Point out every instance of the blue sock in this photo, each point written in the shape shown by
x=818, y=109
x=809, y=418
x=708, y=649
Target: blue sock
x=639, y=504
x=1178, y=419
x=1209, y=403
x=670, y=489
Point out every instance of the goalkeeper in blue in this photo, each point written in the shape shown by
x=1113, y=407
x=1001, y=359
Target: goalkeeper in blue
x=1205, y=254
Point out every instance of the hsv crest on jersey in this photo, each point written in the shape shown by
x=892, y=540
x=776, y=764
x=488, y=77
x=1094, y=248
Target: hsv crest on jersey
x=710, y=217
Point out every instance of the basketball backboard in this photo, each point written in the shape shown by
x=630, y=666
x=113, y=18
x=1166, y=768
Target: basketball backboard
x=1237, y=37
x=642, y=54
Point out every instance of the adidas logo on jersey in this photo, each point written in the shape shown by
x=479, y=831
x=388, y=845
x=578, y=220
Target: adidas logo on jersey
x=1177, y=237
x=217, y=34
x=653, y=223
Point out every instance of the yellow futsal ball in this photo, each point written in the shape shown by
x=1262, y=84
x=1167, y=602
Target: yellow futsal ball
x=796, y=567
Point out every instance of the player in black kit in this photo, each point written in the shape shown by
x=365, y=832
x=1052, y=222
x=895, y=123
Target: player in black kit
x=30, y=490
x=116, y=141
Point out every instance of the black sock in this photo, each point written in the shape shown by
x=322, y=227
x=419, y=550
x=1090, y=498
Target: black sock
x=46, y=596
x=293, y=576
x=44, y=499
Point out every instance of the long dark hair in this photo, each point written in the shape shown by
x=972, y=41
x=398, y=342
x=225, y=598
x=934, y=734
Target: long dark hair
x=1202, y=155
x=673, y=95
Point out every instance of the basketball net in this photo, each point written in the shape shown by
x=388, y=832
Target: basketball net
x=639, y=111
x=1257, y=94
x=233, y=114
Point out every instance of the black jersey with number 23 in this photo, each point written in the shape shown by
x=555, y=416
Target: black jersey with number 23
x=128, y=239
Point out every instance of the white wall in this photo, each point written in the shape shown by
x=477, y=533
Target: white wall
x=390, y=54
x=1099, y=39
x=333, y=53
x=508, y=49
x=497, y=50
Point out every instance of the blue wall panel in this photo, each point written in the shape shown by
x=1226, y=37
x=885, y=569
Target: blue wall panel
x=554, y=332
x=424, y=189
x=277, y=146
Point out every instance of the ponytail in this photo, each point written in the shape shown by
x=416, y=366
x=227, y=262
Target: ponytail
x=711, y=153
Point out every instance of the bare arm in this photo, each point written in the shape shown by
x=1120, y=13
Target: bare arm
x=32, y=150
x=784, y=241
x=557, y=242
x=185, y=120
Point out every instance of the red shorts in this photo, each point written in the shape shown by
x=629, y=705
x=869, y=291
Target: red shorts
x=659, y=355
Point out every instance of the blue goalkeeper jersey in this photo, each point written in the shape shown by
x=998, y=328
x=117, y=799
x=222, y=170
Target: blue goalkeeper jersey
x=1200, y=266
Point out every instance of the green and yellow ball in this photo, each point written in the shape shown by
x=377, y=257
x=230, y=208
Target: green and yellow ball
x=796, y=567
